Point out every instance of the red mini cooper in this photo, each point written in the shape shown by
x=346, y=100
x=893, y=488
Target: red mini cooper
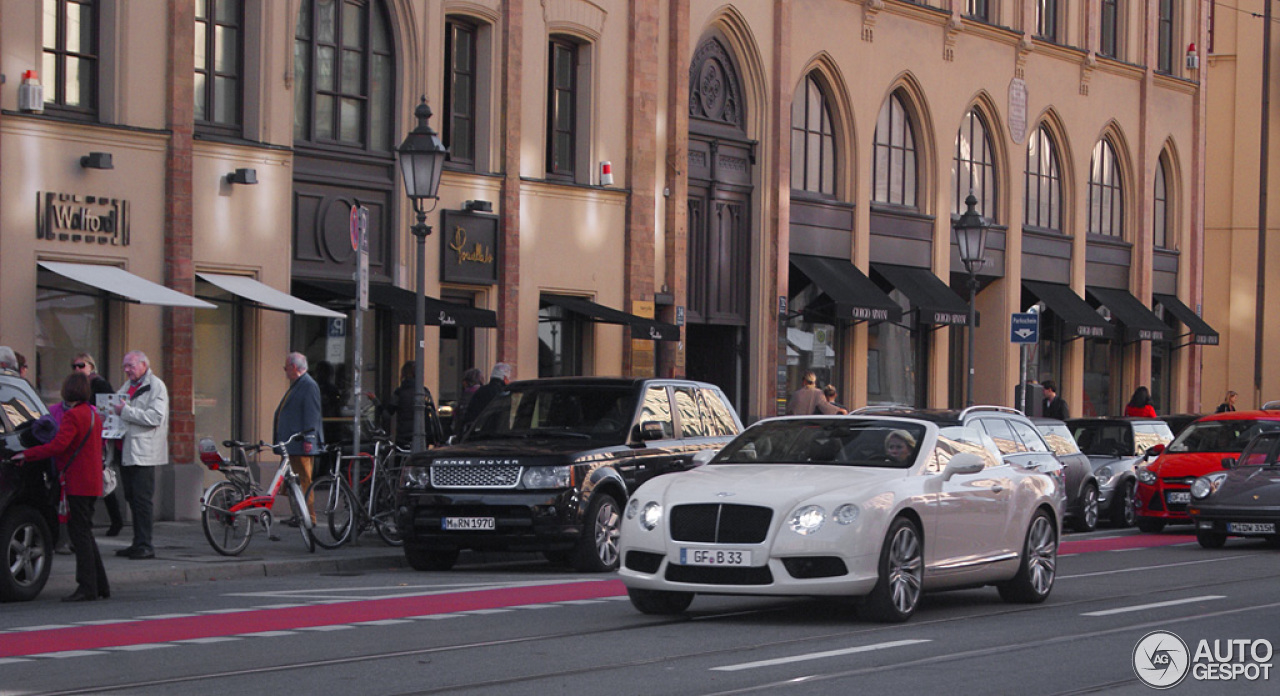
x=1164, y=486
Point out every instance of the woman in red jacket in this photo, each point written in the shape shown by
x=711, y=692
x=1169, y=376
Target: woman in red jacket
x=1140, y=404
x=77, y=454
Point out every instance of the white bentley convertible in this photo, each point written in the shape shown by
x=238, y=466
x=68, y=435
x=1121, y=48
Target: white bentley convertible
x=874, y=508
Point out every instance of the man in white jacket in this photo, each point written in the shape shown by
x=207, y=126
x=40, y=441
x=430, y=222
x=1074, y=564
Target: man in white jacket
x=145, y=413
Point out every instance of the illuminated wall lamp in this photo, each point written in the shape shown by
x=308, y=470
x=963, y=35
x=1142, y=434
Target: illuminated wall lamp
x=243, y=176
x=97, y=160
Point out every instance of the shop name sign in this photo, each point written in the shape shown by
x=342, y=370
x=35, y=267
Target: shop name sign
x=869, y=314
x=469, y=252
x=69, y=217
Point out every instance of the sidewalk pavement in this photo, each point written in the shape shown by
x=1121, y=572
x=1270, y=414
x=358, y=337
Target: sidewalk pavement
x=184, y=555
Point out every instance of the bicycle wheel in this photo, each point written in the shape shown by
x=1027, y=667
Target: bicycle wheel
x=227, y=533
x=384, y=514
x=334, y=512
x=304, y=515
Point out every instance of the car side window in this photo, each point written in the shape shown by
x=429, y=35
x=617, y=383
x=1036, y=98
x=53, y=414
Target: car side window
x=1002, y=434
x=1029, y=436
x=657, y=409
x=716, y=414
x=956, y=439
x=1147, y=435
x=1260, y=452
x=17, y=407
x=691, y=424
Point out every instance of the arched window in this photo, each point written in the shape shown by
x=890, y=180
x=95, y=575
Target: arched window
x=893, y=177
x=1043, y=205
x=1106, y=192
x=813, y=141
x=1160, y=215
x=973, y=168
x=343, y=74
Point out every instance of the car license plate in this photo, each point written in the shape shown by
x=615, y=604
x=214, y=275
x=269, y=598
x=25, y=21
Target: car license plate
x=1252, y=527
x=467, y=524
x=1178, y=497
x=714, y=557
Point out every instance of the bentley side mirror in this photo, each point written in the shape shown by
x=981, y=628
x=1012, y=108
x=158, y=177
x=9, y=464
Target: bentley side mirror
x=963, y=463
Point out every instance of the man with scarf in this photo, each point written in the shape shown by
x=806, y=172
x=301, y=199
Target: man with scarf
x=144, y=410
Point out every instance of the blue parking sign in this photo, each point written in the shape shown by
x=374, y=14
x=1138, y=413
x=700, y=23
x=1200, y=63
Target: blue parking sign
x=1025, y=327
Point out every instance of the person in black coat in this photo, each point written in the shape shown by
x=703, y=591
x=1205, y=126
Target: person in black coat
x=498, y=380
x=1054, y=406
x=402, y=402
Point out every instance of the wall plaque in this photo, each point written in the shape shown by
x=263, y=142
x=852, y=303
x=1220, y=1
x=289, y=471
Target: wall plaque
x=469, y=248
x=1017, y=109
x=69, y=217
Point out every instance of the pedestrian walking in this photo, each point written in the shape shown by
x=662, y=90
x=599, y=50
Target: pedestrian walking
x=499, y=378
x=144, y=412
x=300, y=411
x=809, y=400
x=1228, y=403
x=1054, y=406
x=1140, y=404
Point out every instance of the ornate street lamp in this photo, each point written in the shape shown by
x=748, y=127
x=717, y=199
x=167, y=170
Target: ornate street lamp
x=971, y=237
x=422, y=158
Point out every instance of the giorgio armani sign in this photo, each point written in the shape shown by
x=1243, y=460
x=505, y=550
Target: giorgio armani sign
x=69, y=217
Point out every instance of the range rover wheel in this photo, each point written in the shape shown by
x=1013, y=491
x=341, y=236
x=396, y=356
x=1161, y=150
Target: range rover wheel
x=1150, y=525
x=597, y=551
x=1122, y=512
x=897, y=594
x=660, y=602
x=1087, y=521
x=1039, y=564
x=27, y=550
x=1210, y=539
x=425, y=559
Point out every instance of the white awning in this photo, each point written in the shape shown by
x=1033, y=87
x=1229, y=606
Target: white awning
x=118, y=281
x=267, y=296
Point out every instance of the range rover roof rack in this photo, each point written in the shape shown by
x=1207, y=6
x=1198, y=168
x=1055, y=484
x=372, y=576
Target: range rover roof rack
x=983, y=407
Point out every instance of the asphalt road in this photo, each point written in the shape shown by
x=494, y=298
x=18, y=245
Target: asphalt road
x=526, y=627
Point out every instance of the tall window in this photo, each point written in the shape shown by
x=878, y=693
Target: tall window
x=561, y=335
x=1160, y=216
x=813, y=141
x=1043, y=205
x=1047, y=19
x=1110, y=34
x=973, y=168
x=1164, y=39
x=343, y=74
x=977, y=9
x=893, y=179
x=562, y=107
x=68, y=321
x=70, y=38
x=460, y=92
x=1106, y=192
x=218, y=48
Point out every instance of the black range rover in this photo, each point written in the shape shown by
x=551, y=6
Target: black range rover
x=549, y=464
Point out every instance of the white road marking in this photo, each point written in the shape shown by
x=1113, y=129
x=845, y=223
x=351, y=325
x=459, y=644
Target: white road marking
x=105, y=622
x=157, y=617
x=14, y=660
x=208, y=639
x=817, y=655
x=333, y=627
x=485, y=612
x=267, y=634
x=139, y=647
x=1151, y=567
x=68, y=653
x=382, y=622
x=1156, y=605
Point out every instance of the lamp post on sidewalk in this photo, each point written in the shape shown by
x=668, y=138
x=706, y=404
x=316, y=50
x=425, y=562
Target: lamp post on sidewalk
x=971, y=238
x=422, y=158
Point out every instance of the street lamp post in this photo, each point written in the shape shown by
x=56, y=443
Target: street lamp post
x=971, y=238
x=422, y=158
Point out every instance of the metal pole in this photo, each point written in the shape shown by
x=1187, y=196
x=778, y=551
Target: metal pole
x=420, y=230
x=973, y=293
x=1264, y=147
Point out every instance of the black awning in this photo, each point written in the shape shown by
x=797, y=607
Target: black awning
x=933, y=300
x=403, y=303
x=641, y=327
x=1201, y=332
x=856, y=297
x=1140, y=323
x=1076, y=314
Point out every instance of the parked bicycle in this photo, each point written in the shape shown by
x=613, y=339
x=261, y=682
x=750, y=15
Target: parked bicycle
x=230, y=509
x=359, y=492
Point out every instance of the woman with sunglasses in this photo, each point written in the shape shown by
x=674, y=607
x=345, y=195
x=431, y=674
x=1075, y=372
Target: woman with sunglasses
x=86, y=365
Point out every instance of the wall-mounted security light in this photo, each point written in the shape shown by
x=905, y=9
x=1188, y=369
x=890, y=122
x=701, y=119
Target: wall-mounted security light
x=243, y=176
x=478, y=206
x=97, y=160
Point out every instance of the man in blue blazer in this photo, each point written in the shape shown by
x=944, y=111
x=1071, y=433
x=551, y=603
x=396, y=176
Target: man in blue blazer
x=299, y=411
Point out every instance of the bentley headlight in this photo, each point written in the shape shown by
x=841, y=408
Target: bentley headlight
x=546, y=477
x=1146, y=476
x=807, y=520
x=846, y=514
x=415, y=477
x=1207, y=485
x=650, y=516
x=1103, y=475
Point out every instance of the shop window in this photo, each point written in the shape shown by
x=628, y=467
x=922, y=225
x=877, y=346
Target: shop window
x=457, y=353
x=1102, y=372
x=560, y=342
x=70, y=69
x=1106, y=192
x=973, y=168
x=1043, y=189
x=893, y=177
x=897, y=359
x=219, y=59
x=330, y=345
x=343, y=75
x=813, y=141
x=813, y=342
x=68, y=322
x=1160, y=213
x=1110, y=31
x=218, y=365
x=1047, y=19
